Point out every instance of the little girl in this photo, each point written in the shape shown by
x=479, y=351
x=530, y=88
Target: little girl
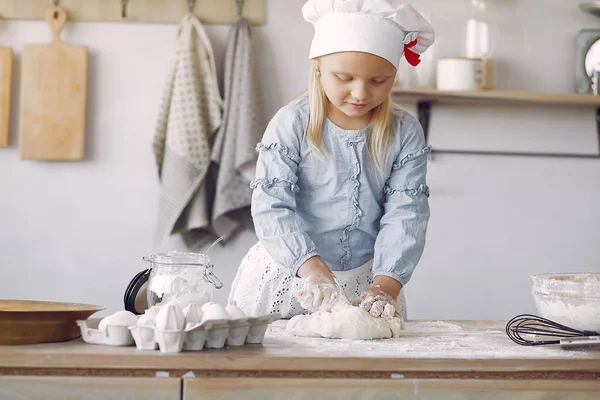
x=340, y=200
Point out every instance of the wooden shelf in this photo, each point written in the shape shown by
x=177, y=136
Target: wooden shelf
x=425, y=98
x=434, y=95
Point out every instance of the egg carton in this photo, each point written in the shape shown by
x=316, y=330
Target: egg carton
x=113, y=336
x=210, y=334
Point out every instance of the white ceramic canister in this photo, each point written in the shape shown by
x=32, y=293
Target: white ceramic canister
x=460, y=74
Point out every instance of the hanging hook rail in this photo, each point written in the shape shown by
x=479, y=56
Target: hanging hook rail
x=212, y=12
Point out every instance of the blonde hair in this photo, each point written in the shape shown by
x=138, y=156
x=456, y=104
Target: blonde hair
x=380, y=137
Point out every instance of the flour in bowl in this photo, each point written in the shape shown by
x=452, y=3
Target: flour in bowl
x=571, y=299
x=575, y=314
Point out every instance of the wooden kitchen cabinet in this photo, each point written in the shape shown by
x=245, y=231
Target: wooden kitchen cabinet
x=88, y=388
x=350, y=389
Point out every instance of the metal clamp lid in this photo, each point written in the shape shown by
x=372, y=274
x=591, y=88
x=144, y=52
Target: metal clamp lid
x=212, y=278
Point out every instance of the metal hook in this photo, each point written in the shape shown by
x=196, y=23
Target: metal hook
x=240, y=8
x=124, y=8
x=191, y=4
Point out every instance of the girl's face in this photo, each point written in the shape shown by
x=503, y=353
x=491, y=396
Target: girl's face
x=355, y=83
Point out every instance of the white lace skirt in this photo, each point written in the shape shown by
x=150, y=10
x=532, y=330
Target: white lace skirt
x=262, y=287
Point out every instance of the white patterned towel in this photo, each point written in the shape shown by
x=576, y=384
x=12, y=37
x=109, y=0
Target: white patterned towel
x=235, y=142
x=190, y=113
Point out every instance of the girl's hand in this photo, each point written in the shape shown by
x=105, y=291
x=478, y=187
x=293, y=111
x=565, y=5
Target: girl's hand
x=315, y=266
x=380, y=299
x=320, y=291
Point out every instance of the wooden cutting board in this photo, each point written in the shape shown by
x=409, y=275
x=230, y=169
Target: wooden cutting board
x=6, y=57
x=53, y=96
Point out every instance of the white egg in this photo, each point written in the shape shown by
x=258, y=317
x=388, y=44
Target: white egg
x=152, y=312
x=214, y=311
x=206, y=305
x=146, y=320
x=170, y=318
x=234, y=312
x=120, y=318
x=192, y=313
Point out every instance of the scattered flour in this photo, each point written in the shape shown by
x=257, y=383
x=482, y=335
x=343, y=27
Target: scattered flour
x=432, y=327
x=419, y=339
x=345, y=323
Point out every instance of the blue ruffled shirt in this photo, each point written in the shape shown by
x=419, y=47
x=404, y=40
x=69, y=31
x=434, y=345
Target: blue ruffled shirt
x=340, y=207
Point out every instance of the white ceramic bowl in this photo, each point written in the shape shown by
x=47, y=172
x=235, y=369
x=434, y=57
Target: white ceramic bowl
x=571, y=299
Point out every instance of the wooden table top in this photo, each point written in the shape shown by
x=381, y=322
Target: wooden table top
x=451, y=346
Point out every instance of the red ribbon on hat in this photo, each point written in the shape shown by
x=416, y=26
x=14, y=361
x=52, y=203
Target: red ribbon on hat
x=411, y=56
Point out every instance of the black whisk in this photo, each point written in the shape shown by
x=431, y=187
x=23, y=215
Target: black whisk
x=527, y=324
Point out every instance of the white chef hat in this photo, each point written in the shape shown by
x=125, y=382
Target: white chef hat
x=385, y=28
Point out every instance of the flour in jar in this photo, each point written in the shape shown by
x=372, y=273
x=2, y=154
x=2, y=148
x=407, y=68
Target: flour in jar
x=347, y=322
x=179, y=286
